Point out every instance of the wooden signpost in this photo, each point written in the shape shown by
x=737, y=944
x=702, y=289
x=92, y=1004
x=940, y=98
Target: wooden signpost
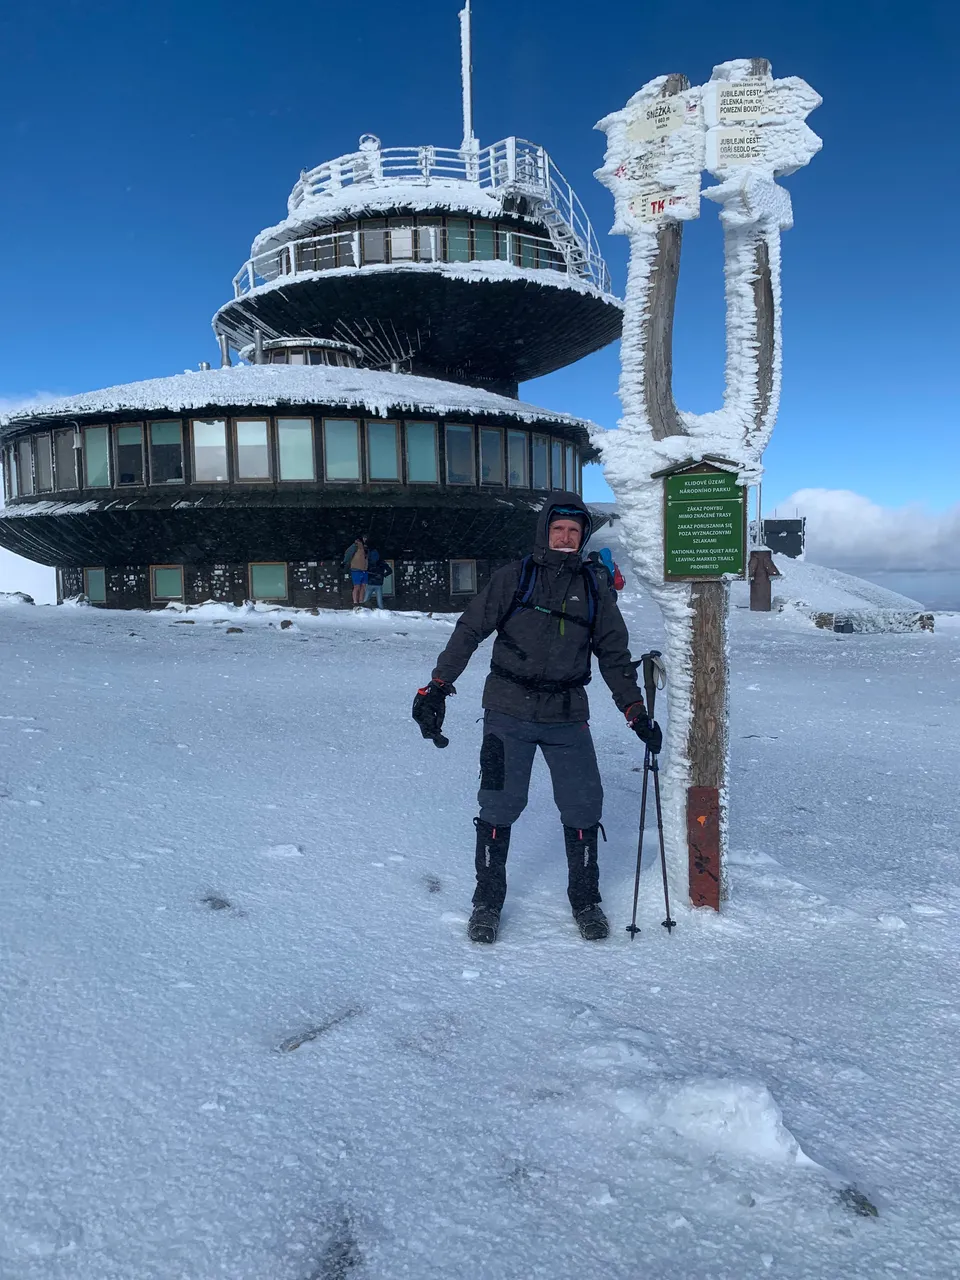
x=747, y=129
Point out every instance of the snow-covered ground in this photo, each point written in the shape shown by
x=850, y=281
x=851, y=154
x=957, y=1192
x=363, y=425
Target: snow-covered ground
x=245, y=1037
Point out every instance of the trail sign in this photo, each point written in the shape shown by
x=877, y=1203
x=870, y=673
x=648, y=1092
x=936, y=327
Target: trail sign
x=704, y=525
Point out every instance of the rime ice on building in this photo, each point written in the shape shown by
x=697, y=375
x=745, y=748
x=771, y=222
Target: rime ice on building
x=383, y=328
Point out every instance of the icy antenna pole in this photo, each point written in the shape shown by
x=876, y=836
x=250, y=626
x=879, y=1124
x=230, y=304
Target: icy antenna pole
x=746, y=129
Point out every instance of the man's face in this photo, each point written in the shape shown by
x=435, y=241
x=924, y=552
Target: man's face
x=565, y=535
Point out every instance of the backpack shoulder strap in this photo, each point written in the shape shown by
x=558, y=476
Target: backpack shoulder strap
x=593, y=593
x=525, y=585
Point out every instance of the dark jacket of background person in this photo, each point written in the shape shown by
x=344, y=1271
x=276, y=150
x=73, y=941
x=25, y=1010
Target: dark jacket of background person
x=377, y=569
x=537, y=645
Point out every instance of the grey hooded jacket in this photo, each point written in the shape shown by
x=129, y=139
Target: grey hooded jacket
x=536, y=646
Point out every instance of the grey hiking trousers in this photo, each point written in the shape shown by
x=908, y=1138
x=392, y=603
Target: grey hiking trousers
x=506, y=760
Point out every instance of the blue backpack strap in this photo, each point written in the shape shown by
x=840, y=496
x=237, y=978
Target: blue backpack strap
x=525, y=585
x=593, y=593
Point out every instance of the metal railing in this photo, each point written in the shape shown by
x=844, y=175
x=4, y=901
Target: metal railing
x=512, y=166
x=401, y=243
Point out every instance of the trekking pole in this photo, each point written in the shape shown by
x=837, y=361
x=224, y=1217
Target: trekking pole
x=654, y=678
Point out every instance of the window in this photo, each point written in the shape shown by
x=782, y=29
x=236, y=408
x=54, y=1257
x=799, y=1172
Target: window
x=253, y=449
x=389, y=580
x=129, y=446
x=341, y=445
x=458, y=240
x=491, y=456
x=9, y=479
x=428, y=239
x=65, y=456
x=268, y=581
x=517, y=459
x=295, y=440
x=209, y=451
x=25, y=465
x=166, y=582
x=43, y=457
x=571, y=472
x=166, y=453
x=461, y=468
x=383, y=457
x=540, y=462
x=401, y=241
x=95, y=585
x=556, y=451
x=421, y=452
x=484, y=241
x=528, y=251
x=374, y=240
x=463, y=577
x=96, y=457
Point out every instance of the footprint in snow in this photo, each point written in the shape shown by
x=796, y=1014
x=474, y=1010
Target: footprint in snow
x=432, y=883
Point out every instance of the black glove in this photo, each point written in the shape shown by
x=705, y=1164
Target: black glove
x=647, y=730
x=429, y=707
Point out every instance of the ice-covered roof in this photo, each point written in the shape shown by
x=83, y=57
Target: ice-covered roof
x=264, y=386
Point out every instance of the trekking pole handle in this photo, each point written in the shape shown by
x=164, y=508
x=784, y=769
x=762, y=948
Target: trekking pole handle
x=654, y=678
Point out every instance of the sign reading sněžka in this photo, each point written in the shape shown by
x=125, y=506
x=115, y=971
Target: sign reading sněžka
x=704, y=533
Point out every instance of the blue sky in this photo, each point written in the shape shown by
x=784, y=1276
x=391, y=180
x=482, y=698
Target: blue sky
x=145, y=144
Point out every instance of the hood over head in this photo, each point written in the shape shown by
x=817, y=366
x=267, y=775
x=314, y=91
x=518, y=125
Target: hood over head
x=541, y=545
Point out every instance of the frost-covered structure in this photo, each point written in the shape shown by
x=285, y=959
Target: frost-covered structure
x=383, y=327
x=747, y=129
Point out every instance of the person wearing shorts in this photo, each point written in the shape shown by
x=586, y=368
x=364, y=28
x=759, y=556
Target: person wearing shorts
x=355, y=559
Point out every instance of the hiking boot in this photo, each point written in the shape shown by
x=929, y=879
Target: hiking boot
x=592, y=923
x=483, y=924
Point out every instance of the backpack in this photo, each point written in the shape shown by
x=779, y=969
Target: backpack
x=527, y=584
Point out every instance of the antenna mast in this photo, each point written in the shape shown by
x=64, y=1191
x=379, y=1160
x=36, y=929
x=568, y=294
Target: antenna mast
x=466, y=72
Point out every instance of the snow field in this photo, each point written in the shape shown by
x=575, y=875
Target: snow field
x=245, y=1035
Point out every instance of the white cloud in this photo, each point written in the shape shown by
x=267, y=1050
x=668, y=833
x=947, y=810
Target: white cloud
x=845, y=529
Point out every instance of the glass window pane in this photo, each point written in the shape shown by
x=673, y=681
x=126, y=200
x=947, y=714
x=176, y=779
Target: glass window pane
x=539, y=462
x=374, y=237
x=401, y=244
x=96, y=457
x=556, y=470
x=421, y=452
x=7, y=475
x=528, y=251
x=25, y=465
x=166, y=453
x=460, y=463
x=484, y=241
x=340, y=439
x=570, y=473
x=167, y=582
x=65, y=457
x=209, y=451
x=458, y=240
x=253, y=451
x=298, y=357
x=346, y=249
x=491, y=456
x=463, y=577
x=43, y=453
x=95, y=585
x=268, y=581
x=129, y=442
x=295, y=441
x=517, y=449
x=382, y=458
x=428, y=239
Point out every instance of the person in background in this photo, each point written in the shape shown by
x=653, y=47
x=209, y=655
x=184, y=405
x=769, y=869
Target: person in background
x=355, y=560
x=377, y=570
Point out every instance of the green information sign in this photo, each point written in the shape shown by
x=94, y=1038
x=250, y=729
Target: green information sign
x=704, y=525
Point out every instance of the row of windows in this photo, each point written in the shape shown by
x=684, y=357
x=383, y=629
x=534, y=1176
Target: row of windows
x=412, y=239
x=267, y=581
x=258, y=450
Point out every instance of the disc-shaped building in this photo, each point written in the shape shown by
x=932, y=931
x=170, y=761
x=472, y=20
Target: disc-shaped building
x=382, y=328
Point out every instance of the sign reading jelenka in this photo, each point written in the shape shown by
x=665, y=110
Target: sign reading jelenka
x=704, y=526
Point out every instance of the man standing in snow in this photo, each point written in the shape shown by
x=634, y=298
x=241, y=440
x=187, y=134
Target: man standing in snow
x=550, y=612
